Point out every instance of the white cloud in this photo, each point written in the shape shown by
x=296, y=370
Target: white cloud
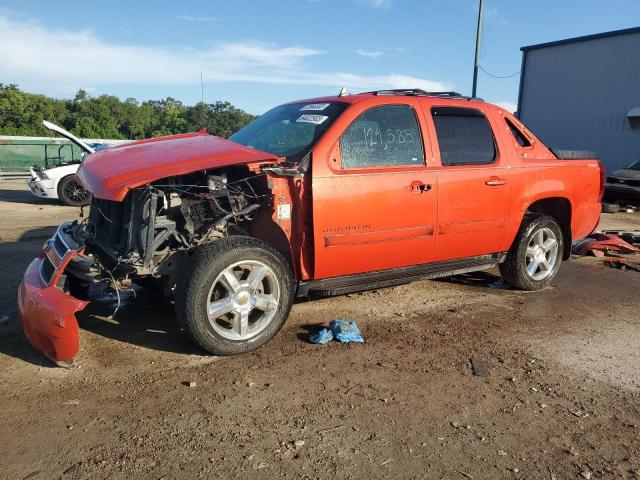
x=508, y=106
x=369, y=53
x=190, y=18
x=58, y=62
x=256, y=55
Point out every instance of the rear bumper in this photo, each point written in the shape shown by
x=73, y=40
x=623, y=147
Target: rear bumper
x=585, y=219
x=46, y=312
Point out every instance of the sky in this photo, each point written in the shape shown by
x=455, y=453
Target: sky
x=258, y=53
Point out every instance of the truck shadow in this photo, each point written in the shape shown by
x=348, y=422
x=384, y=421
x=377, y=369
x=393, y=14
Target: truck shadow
x=145, y=318
x=14, y=344
x=15, y=256
x=482, y=279
x=149, y=321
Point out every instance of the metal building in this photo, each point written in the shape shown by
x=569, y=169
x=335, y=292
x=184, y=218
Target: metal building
x=584, y=94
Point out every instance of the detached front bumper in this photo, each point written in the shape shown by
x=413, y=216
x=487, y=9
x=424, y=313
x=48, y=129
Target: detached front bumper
x=47, y=313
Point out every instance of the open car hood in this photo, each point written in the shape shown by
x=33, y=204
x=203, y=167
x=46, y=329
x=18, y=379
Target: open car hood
x=55, y=128
x=109, y=174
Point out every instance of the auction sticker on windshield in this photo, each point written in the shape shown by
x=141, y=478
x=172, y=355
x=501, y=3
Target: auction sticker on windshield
x=315, y=106
x=316, y=119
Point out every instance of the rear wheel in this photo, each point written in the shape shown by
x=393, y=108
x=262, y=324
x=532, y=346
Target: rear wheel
x=536, y=254
x=71, y=193
x=235, y=296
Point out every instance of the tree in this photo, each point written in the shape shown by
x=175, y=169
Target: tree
x=106, y=116
x=219, y=118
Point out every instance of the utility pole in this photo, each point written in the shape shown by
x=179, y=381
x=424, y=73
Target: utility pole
x=475, y=62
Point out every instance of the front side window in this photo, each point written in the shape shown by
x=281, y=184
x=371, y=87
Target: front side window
x=289, y=130
x=464, y=136
x=388, y=135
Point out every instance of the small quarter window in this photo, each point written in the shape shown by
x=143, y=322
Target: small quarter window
x=464, y=136
x=517, y=134
x=384, y=136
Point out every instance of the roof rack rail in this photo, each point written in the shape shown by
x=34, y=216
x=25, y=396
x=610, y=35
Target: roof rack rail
x=418, y=92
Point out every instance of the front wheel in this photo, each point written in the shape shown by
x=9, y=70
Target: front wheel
x=235, y=295
x=536, y=254
x=71, y=193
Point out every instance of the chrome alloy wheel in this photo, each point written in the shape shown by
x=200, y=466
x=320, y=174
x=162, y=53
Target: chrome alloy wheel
x=542, y=254
x=243, y=300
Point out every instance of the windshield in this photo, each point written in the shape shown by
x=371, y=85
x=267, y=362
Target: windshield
x=289, y=130
x=634, y=166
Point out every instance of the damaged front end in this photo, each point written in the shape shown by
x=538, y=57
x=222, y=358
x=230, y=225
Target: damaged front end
x=149, y=233
x=142, y=233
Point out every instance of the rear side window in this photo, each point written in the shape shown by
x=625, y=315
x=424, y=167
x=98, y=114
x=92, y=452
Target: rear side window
x=464, y=136
x=517, y=134
x=388, y=135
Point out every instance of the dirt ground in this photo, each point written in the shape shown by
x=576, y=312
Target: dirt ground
x=561, y=399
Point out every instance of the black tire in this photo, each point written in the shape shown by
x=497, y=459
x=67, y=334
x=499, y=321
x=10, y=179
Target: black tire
x=201, y=271
x=514, y=268
x=71, y=193
x=610, y=207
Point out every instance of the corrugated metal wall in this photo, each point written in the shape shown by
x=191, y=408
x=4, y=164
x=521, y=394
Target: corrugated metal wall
x=577, y=96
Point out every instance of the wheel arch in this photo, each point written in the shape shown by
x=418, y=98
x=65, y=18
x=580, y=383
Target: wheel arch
x=57, y=174
x=265, y=229
x=59, y=181
x=561, y=210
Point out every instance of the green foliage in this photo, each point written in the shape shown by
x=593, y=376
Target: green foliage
x=106, y=116
x=220, y=118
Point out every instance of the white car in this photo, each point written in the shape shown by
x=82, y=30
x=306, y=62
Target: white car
x=60, y=182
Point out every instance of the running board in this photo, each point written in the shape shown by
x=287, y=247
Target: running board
x=397, y=276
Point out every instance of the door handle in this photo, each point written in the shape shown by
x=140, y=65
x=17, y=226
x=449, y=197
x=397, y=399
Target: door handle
x=419, y=187
x=495, y=182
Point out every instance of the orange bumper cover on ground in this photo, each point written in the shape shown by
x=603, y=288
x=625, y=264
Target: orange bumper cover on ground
x=48, y=314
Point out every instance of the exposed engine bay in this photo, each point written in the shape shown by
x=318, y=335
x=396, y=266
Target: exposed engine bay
x=141, y=236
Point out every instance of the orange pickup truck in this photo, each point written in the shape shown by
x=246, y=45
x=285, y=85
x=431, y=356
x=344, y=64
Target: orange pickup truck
x=315, y=197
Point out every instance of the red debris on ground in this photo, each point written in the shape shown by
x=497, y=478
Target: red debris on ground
x=596, y=243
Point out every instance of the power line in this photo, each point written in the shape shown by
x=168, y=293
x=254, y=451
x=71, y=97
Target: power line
x=498, y=76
